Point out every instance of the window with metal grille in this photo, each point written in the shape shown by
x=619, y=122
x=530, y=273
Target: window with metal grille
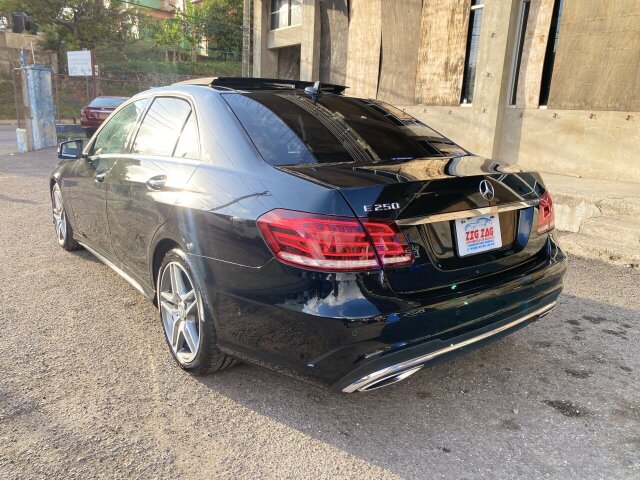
x=550, y=54
x=522, y=30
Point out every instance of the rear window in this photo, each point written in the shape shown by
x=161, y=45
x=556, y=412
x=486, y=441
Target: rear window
x=289, y=129
x=107, y=102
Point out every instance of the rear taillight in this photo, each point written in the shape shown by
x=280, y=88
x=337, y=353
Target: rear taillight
x=546, y=216
x=332, y=243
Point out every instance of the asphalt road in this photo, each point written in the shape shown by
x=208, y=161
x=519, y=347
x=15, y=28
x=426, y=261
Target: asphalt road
x=8, y=139
x=89, y=390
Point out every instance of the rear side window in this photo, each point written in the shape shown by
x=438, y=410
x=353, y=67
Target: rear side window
x=189, y=142
x=113, y=136
x=161, y=126
x=277, y=143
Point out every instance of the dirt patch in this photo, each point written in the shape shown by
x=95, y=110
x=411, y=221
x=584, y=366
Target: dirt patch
x=616, y=333
x=567, y=408
x=628, y=412
x=579, y=373
x=596, y=320
x=511, y=424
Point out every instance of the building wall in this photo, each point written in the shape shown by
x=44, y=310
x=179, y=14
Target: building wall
x=412, y=53
x=11, y=44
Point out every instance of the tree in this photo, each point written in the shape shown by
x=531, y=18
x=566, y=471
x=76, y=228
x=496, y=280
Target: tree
x=167, y=35
x=224, y=24
x=219, y=22
x=79, y=23
x=192, y=19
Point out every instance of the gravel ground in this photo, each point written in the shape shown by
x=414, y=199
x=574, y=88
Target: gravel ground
x=88, y=388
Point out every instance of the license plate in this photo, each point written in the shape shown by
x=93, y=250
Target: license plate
x=478, y=234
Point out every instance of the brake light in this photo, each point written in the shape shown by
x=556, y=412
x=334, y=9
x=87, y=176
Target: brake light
x=546, y=216
x=333, y=243
x=87, y=112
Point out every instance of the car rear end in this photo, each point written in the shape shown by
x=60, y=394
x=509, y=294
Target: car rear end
x=444, y=252
x=98, y=110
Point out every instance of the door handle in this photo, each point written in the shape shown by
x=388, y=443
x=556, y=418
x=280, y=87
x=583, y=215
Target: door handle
x=100, y=177
x=156, y=183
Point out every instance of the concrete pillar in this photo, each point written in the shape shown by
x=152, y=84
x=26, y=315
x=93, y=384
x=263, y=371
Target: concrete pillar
x=499, y=24
x=310, y=45
x=265, y=61
x=37, y=96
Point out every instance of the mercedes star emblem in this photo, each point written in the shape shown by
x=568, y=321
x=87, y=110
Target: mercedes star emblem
x=486, y=190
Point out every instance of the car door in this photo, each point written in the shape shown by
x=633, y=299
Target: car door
x=88, y=186
x=145, y=183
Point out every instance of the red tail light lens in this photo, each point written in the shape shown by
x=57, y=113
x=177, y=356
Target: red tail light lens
x=332, y=243
x=546, y=216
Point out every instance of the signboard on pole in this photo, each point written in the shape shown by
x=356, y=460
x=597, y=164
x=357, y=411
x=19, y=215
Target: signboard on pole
x=79, y=63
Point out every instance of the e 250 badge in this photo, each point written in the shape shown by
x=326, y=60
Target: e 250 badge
x=381, y=207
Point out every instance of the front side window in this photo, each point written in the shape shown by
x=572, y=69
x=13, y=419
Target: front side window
x=473, y=44
x=285, y=13
x=161, y=126
x=113, y=136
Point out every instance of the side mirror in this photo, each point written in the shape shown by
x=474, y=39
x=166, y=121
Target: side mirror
x=71, y=149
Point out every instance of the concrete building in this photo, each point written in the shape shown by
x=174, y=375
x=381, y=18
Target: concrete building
x=549, y=84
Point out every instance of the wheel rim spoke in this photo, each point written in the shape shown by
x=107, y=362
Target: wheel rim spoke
x=190, y=308
x=177, y=283
x=168, y=296
x=189, y=296
x=190, y=335
x=177, y=334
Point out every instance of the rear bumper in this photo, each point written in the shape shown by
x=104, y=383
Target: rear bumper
x=400, y=365
x=337, y=331
x=90, y=124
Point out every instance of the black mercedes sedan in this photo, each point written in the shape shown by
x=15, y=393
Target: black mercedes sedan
x=333, y=238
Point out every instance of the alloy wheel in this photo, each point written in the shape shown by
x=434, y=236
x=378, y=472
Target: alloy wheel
x=59, y=216
x=181, y=318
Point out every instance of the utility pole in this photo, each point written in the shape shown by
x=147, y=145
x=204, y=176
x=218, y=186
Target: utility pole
x=246, y=37
x=94, y=88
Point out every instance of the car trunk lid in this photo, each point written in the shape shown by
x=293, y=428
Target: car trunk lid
x=429, y=199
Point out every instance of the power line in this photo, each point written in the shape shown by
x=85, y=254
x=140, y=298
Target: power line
x=235, y=25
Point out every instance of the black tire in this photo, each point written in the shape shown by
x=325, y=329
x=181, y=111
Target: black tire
x=65, y=239
x=208, y=358
x=89, y=132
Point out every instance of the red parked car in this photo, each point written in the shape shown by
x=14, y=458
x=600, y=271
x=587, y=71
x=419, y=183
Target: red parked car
x=92, y=116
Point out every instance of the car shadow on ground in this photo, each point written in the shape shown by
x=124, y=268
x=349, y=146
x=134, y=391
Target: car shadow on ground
x=572, y=370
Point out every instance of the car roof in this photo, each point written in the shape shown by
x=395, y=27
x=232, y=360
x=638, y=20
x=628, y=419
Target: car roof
x=259, y=83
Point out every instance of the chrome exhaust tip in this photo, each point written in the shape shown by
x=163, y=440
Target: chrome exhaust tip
x=389, y=379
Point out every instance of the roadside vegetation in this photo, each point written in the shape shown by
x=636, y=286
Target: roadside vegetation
x=136, y=47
